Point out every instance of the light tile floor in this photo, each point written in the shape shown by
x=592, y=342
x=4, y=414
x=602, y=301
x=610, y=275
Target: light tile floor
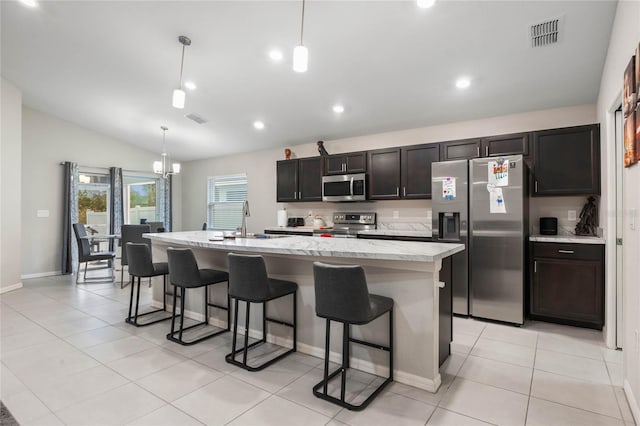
x=69, y=358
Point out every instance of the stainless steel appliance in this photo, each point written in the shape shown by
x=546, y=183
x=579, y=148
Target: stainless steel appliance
x=347, y=225
x=450, y=223
x=499, y=213
x=495, y=224
x=349, y=187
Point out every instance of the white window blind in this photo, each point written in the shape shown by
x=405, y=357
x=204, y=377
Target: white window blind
x=225, y=195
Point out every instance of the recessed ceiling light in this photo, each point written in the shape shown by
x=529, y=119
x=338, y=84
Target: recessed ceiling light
x=338, y=109
x=190, y=85
x=30, y=3
x=463, y=83
x=425, y=4
x=259, y=125
x=275, y=55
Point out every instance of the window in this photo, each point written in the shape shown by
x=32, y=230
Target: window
x=225, y=195
x=141, y=198
x=93, y=201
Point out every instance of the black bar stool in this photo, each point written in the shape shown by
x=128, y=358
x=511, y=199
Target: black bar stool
x=130, y=234
x=183, y=274
x=248, y=281
x=141, y=266
x=342, y=296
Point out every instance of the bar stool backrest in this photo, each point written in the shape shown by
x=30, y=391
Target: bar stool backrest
x=183, y=268
x=341, y=292
x=248, y=277
x=140, y=261
x=132, y=234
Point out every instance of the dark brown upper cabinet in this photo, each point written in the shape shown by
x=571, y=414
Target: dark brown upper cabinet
x=299, y=180
x=353, y=162
x=415, y=167
x=567, y=161
x=513, y=144
x=460, y=150
x=384, y=174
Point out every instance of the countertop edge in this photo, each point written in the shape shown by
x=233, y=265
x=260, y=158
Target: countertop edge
x=572, y=239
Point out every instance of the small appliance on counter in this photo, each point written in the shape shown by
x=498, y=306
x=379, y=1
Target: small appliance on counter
x=295, y=221
x=548, y=226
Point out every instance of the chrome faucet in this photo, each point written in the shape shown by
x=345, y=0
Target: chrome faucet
x=245, y=215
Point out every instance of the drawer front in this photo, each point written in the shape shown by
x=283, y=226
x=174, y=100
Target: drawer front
x=568, y=251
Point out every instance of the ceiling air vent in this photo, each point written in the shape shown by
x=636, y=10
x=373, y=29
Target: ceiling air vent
x=545, y=33
x=195, y=117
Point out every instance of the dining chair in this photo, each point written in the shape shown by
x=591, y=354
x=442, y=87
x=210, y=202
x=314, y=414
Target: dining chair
x=85, y=256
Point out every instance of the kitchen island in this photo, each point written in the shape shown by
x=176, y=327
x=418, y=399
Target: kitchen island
x=408, y=272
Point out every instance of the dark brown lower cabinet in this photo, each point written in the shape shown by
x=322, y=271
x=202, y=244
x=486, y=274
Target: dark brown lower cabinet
x=567, y=284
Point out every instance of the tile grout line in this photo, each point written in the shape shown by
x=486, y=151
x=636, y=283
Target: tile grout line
x=533, y=372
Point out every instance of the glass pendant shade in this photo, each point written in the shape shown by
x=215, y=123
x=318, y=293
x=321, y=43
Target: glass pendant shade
x=157, y=167
x=176, y=168
x=300, y=58
x=178, y=98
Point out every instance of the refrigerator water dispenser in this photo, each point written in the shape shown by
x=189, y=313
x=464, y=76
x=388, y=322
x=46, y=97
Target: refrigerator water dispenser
x=449, y=229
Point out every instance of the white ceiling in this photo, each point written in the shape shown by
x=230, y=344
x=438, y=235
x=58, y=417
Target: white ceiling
x=111, y=66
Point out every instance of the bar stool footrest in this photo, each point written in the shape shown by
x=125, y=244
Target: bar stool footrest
x=183, y=342
x=318, y=393
x=132, y=320
x=230, y=358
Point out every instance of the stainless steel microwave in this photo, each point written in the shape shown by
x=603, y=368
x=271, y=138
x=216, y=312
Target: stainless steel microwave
x=352, y=187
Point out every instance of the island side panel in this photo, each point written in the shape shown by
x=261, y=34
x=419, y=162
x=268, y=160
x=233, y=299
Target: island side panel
x=412, y=285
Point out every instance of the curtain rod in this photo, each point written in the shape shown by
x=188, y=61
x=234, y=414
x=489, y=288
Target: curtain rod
x=107, y=169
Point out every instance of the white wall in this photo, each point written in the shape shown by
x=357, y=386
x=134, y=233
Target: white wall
x=625, y=37
x=261, y=169
x=46, y=142
x=10, y=152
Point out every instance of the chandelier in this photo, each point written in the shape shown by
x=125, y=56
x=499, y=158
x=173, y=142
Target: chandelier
x=162, y=167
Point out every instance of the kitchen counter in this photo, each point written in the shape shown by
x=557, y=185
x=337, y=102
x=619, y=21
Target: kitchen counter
x=408, y=272
x=575, y=239
x=321, y=247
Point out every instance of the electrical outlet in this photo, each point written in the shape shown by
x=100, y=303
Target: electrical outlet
x=396, y=214
x=632, y=219
x=572, y=215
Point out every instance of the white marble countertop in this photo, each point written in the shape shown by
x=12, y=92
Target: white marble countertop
x=397, y=233
x=323, y=247
x=575, y=239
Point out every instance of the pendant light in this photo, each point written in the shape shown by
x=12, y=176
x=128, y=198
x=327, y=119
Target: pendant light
x=300, y=52
x=178, y=94
x=161, y=167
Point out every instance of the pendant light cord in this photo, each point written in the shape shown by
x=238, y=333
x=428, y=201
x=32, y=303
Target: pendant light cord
x=302, y=24
x=181, y=66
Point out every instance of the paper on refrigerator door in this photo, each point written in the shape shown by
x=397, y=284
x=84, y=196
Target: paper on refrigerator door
x=496, y=201
x=449, y=188
x=498, y=172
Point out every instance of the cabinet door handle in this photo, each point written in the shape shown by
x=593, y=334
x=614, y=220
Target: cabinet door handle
x=486, y=151
x=478, y=151
x=566, y=251
x=344, y=167
x=397, y=191
x=404, y=191
x=295, y=195
x=536, y=186
x=535, y=266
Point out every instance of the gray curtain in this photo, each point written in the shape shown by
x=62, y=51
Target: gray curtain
x=164, y=202
x=116, y=215
x=69, y=259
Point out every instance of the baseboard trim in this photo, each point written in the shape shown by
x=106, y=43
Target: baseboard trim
x=41, y=275
x=633, y=402
x=10, y=288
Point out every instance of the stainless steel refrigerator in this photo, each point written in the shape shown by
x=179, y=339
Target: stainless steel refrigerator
x=494, y=227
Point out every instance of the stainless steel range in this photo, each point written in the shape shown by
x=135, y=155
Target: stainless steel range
x=347, y=225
